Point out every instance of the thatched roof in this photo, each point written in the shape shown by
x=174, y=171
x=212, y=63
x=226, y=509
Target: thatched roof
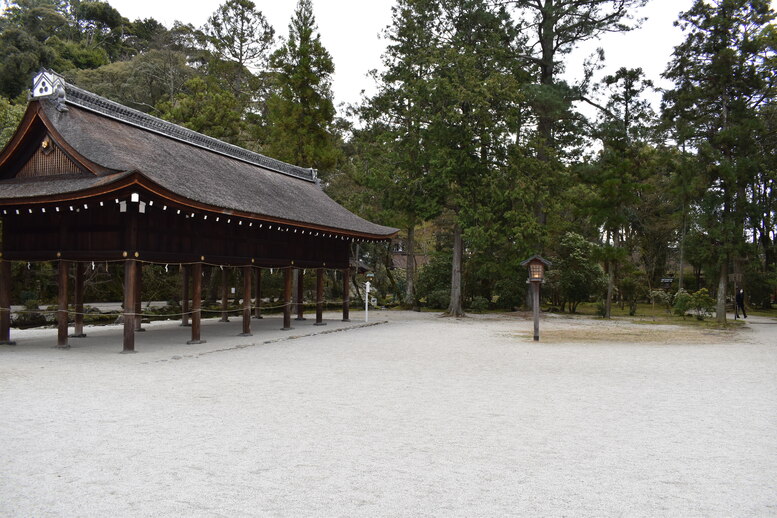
x=118, y=141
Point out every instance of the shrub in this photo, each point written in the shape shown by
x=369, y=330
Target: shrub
x=30, y=319
x=633, y=289
x=601, y=308
x=662, y=298
x=479, y=304
x=581, y=276
x=434, y=278
x=682, y=303
x=702, y=304
x=439, y=299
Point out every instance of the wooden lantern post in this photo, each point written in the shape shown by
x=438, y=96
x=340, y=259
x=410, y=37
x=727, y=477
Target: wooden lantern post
x=537, y=266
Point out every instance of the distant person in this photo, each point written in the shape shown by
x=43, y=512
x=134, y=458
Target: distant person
x=740, y=304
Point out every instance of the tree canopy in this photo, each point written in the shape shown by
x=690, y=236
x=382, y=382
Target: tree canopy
x=472, y=143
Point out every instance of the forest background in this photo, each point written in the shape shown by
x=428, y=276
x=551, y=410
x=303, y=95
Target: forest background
x=473, y=142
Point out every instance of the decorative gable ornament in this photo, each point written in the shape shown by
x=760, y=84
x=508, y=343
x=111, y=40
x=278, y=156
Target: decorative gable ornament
x=49, y=85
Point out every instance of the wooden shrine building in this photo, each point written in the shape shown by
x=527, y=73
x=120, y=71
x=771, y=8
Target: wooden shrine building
x=87, y=179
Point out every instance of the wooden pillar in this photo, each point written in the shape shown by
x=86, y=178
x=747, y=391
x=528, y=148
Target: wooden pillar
x=224, y=296
x=139, y=297
x=130, y=293
x=62, y=277
x=78, y=332
x=246, y=301
x=131, y=288
x=196, y=303
x=258, y=281
x=287, y=273
x=186, y=273
x=300, y=294
x=346, y=294
x=5, y=303
x=536, y=309
x=320, y=297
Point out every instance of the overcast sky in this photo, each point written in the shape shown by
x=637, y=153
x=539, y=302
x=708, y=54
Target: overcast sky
x=351, y=29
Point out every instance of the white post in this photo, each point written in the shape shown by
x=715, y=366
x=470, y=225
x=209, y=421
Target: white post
x=367, y=302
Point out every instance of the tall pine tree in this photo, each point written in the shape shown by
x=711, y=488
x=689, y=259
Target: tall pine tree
x=724, y=72
x=300, y=111
x=393, y=141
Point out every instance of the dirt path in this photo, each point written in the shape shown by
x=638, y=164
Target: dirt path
x=421, y=416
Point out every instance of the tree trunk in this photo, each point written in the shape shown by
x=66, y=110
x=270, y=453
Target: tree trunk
x=358, y=291
x=410, y=270
x=610, y=280
x=720, y=308
x=682, y=253
x=455, y=309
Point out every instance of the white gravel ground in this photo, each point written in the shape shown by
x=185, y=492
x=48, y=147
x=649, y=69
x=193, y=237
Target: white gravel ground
x=420, y=416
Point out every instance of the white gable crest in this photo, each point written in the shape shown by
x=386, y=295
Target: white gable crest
x=47, y=84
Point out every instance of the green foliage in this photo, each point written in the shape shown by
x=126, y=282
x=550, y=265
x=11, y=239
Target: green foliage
x=580, y=276
x=76, y=55
x=470, y=129
x=479, y=304
x=10, y=117
x=601, y=308
x=633, y=289
x=206, y=108
x=682, y=303
x=21, y=55
x=702, y=304
x=239, y=32
x=662, y=298
x=724, y=72
x=434, y=278
x=145, y=81
x=300, y=110
x=760, y=287
x=438, y=299
x=100, y=26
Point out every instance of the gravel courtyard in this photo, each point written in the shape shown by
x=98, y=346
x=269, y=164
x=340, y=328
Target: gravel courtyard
x=415, y=416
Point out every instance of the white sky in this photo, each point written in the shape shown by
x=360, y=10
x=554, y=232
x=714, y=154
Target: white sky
x=350, y=30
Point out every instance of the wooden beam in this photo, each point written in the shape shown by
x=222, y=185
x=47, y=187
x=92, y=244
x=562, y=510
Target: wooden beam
x=300, y=294
x=320, y=297
x=5, y=303
x=186, y=273
x=246, y=301
x=196, y=303
x=78, y=332
x=346, y=294
x=287, y=272
x=63, y=270
x=130, y=292
x=258, y=280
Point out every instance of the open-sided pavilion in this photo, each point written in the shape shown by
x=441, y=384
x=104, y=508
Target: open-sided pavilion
x=86, y=179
